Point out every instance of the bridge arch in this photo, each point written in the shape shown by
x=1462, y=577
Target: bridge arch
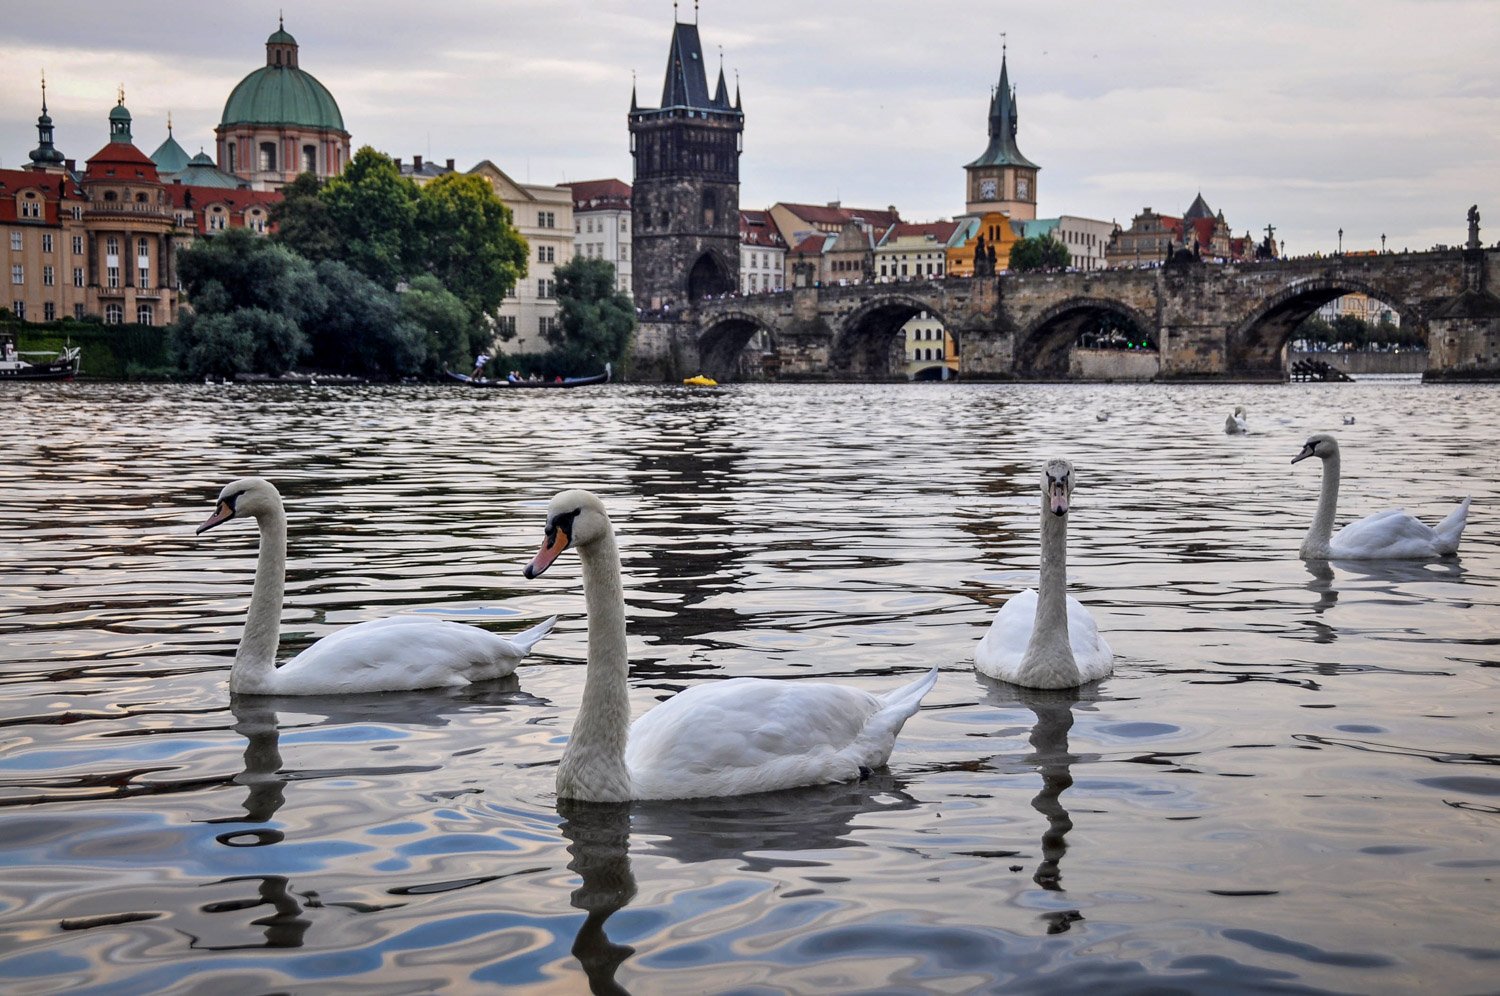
x=722, y=352
x=1043, y=348
x=868, y=344
x=1257, y=346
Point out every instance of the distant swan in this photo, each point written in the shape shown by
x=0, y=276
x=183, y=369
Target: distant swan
x=1235, y=424
x=723, y=738
x=1391, y=534
x=1047, y=640
x=382, y=655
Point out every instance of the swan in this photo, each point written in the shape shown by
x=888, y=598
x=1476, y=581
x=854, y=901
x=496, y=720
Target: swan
x=725, y=738
x=1391, y=534
x=1047, y=640
x=1235, y=424
x=383, y=655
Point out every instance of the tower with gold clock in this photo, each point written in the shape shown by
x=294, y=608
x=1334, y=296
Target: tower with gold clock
x=1002, y=180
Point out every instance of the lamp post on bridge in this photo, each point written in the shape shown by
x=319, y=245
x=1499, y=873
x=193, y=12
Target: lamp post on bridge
x=1382, y=243
x=1341, y=241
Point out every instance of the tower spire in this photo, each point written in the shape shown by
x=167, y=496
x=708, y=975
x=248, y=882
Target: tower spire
x=44, y=156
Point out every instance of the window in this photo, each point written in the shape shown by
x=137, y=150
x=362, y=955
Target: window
x=589, y=226
x=546, y=288
x=233, y=159
x=511, y=292
x=546, y=219
x=143, y=250
x=46, y=242
x=624, y=253
x=507, y=324
x=78, y=245
x=77, y=276
x=309, y=159
x=31, y=208
x=267, y=157
x=114, y=313
x=18, y=274
x=77, y=212
x=15, y=241
x=624, y=224
x=49, y=311
x=111, y=276
x=18, y=308
x=546, y=254
x=546, y=325
x=145, y=314
x=112, y=246
x=143, y=277
x=49, y=278
x=78, y=311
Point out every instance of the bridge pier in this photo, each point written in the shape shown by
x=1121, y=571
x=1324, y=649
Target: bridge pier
x=1192, y=350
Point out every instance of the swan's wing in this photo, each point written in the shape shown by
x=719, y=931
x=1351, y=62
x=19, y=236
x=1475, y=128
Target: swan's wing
x=1004, y=644
x=1451, y=529
x=1091, y=653
x=1391, y=533
x=749, y=735
x=397, y=654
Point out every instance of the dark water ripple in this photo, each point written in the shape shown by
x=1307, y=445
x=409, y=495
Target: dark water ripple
x=1284, y=788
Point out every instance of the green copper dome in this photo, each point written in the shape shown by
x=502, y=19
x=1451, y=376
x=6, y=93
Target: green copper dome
x=282, y=95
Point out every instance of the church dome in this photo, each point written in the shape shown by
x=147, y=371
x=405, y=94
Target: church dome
x=279, y=93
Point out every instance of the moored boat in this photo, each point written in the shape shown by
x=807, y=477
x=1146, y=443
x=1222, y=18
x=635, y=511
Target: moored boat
x=57, y=365
x=602, y=378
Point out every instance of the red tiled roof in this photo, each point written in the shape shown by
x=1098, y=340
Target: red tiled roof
x=599, y=194
x=121, y=160
x=236, y=202
x=756, y=229
x=811, y=246
x=51, y=186
x=941, y=231
x=837, y=215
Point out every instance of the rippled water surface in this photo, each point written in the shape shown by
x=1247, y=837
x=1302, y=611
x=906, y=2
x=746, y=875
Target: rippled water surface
x=1289, y=784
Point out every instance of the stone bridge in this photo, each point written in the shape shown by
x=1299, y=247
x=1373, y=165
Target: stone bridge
x=1207, y=321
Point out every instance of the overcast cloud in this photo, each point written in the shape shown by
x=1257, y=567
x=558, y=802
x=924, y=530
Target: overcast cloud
x=1374, y=116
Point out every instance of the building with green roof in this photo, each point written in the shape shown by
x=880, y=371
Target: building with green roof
x=280, y=121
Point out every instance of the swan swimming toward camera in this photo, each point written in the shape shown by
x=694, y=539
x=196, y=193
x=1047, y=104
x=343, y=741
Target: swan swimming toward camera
x=1235, y=424
x=1046, y=638
x=723, y=738
x=401, y=653
x=1391, y=534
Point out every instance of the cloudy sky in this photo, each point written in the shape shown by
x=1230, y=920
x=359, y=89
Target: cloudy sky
x=1374, y=116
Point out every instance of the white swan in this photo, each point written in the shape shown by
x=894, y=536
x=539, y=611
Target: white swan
x=1391, y=534
x=383, y=655
x=1235, y=424
x=724, y=738
x=1047, y=640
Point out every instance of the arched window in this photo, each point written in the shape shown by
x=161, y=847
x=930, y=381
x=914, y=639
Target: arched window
x=141, y=198
x=114, y=313
x=145, y=314
x=309, y=159
x=112, y=246
x=110, y=196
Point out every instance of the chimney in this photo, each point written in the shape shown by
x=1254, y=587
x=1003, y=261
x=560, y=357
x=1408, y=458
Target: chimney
x=398, y=164
x=416, y=164
x=450, y=165
x=71, y=164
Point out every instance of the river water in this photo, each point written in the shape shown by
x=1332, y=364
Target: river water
x=1288, y=785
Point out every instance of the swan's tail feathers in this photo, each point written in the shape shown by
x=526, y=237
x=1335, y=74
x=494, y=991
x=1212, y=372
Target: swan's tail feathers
x=905, y=701
x=527, y=639
x=1452, y=528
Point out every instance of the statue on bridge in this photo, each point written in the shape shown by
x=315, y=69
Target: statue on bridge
x=1473, y=242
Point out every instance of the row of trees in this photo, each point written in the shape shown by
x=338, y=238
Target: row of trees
x=1351, y=332
x=371, y=275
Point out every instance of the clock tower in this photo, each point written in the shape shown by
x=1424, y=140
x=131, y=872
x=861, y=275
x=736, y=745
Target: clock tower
x=1002, y=179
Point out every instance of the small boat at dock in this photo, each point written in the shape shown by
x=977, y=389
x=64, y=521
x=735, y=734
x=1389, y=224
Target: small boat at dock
x=522, y=383
x=49, y=364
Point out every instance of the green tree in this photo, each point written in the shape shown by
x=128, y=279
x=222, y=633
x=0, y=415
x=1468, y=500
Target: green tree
x=374, y=209
x=595, y=319
x=238, y=269
x=1039, y=252
x=360, y=329
x=237, y=341
x=466, y=240
x=453, y=337
x=302, y=220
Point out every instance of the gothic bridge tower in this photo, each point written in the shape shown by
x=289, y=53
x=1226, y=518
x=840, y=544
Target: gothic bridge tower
x=685, y=201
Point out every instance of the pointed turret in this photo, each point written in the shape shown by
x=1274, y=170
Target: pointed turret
x=45, y=156
x=721, y=93
x=119, y=121
x=1002, y=150
x=1199, y=208
x=169, y=156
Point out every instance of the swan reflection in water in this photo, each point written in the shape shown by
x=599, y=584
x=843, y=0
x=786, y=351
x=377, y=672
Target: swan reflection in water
x=749, y=829
x=1053, y=760
x=257, y=718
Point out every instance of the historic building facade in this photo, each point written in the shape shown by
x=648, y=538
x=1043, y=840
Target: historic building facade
x=601, y=225
x=685, y=196
x=762, y=254
x=280, y=121
x=544, y=217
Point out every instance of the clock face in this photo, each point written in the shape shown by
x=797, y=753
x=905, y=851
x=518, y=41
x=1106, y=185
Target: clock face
x=1023, y=188
x=987, y=189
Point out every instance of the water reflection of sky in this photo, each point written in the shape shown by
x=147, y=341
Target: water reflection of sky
x=1287, y=752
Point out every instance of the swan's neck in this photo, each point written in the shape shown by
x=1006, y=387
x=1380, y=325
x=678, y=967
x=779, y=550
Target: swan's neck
x=1050, y=652
x=255, y=661
x=593, y=764
x=1319, y=536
